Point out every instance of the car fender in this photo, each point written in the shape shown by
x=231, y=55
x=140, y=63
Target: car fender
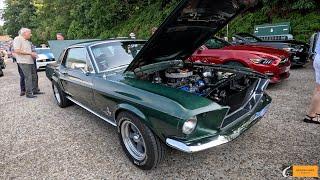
x=129, y=108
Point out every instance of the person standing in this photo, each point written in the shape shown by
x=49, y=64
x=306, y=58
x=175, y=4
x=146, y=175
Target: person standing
x=36, y=85
x=60, y=36
x=22, y=84
x=314, y=111
x=25, y=59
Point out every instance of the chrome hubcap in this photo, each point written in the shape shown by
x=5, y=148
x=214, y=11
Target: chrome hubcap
x=56, y=93
x=133, y=140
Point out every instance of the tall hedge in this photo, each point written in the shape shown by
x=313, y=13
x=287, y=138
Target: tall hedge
x=112, y=18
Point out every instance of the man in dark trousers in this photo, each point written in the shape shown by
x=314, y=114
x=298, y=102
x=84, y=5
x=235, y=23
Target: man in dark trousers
x=25, y=59
x=22, y=84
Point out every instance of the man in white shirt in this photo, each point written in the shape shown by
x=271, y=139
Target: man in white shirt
x=25, y=59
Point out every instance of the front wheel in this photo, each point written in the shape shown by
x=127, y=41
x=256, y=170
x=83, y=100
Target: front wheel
x=60, y=96
x=141, y=146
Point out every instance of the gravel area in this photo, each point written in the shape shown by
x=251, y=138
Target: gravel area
x=39, y=140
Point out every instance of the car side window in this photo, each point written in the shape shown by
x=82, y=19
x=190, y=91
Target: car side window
x=77, y=58
x=214, y=44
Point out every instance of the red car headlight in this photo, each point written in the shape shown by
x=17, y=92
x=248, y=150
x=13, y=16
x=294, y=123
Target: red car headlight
x=264, y=61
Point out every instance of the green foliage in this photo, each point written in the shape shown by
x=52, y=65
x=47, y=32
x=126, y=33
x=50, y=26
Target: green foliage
x=141, y=23
x=114, y=18
x=287, y=6
x=303, y=26
x=19, y=13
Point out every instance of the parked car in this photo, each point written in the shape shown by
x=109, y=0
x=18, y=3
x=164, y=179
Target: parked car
x=45, y=57
x=297, y=49
x=269, y=61
x=153, y=94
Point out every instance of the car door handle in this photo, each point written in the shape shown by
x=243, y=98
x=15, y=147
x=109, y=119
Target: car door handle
x=64, y=72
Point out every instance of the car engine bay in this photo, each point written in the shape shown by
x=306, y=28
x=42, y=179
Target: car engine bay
x=223, y=87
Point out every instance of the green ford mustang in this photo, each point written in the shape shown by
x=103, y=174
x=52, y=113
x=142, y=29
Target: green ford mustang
x=153, y=94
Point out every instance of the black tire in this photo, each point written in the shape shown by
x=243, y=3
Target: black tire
x=1, y=72
x=61, y=100
x=154, y=149
x=234, y=64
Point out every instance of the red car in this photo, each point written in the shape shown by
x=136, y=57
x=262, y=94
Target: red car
x=269, y=61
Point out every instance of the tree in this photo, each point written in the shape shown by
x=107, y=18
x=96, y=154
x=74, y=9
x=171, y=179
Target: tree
x=19, y=13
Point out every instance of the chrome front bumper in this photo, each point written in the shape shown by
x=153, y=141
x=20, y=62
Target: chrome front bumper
x=218, y=140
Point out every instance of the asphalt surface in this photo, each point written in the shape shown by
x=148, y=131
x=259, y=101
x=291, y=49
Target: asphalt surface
x=40, y=140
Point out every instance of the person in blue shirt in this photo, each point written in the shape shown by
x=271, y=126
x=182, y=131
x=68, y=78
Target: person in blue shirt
x=314, y=111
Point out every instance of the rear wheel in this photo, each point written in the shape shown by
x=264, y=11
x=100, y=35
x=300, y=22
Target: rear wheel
x=60, y=96
x=234, y=64
x=141, y=146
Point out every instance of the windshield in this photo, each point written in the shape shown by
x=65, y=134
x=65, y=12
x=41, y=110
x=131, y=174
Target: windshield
x=43, y=51
x=216, y=43
x=112, y=55
x=250, y=38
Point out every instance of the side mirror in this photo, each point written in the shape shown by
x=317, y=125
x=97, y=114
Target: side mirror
x=82, y=67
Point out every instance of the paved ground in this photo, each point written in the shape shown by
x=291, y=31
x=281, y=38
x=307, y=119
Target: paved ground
x=40, y=140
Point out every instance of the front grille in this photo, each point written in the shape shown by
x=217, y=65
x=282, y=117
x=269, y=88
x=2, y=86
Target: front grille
x=243, y=106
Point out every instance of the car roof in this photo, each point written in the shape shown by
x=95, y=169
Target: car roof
x=94, y=42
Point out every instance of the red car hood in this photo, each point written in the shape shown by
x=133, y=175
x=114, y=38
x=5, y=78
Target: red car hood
x=267, y=50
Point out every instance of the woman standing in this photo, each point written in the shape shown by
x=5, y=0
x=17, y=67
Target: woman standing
x=314, y=111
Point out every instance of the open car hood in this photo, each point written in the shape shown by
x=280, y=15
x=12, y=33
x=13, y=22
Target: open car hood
x=189, y=26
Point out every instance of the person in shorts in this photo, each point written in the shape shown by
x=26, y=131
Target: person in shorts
x=313, y=115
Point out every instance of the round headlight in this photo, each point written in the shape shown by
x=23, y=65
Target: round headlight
x=289, y=49
x=189, y=126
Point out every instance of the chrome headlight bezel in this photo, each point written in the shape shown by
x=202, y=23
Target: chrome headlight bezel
x=190, y=125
